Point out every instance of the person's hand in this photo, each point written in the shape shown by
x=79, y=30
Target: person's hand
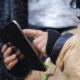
x=39, y=44
x=10, y=59
x=40, y=41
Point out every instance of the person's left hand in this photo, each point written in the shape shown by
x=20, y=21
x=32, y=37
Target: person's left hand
x=40, y=41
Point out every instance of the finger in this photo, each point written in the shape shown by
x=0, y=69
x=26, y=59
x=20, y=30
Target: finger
x=21, y=56
x=38, y=40
x=14, y=49
x=9, y=44
x=37, y=51
x=18, y=53
x=8, y=52
x=43, y=50
x=12, y=64
x=10, y=59
x=4, y=48
x=32, y=33
x=41, y=45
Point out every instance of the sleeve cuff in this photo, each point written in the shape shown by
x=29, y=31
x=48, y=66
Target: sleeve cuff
x=58, y=46
x=52, y=38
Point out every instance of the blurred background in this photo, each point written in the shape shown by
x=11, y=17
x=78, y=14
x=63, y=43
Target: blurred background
x=52, y=14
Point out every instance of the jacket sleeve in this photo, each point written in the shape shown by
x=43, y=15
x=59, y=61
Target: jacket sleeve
x=55, y=43
x=66, y=55
x=58, y=46
x=69, y=58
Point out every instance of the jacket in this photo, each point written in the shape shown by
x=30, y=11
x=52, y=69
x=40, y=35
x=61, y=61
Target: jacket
x=52, y=73
x=66, y=50
x=68, y=60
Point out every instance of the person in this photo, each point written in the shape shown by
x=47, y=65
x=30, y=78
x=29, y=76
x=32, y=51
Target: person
x=63, y=50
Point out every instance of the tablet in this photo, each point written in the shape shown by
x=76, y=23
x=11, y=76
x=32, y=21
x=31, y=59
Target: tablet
x=12, y=33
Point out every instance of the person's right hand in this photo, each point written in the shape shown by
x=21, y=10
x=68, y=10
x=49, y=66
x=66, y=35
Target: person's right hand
x=10, y=59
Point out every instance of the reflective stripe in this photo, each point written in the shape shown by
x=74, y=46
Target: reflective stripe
x=45, y=77
x=45, y=74
x=46, y=63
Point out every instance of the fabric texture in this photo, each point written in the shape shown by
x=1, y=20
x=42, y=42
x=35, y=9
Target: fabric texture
x=58, y=46
x=52, y=38
x=53, y=73
x=69, y=58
